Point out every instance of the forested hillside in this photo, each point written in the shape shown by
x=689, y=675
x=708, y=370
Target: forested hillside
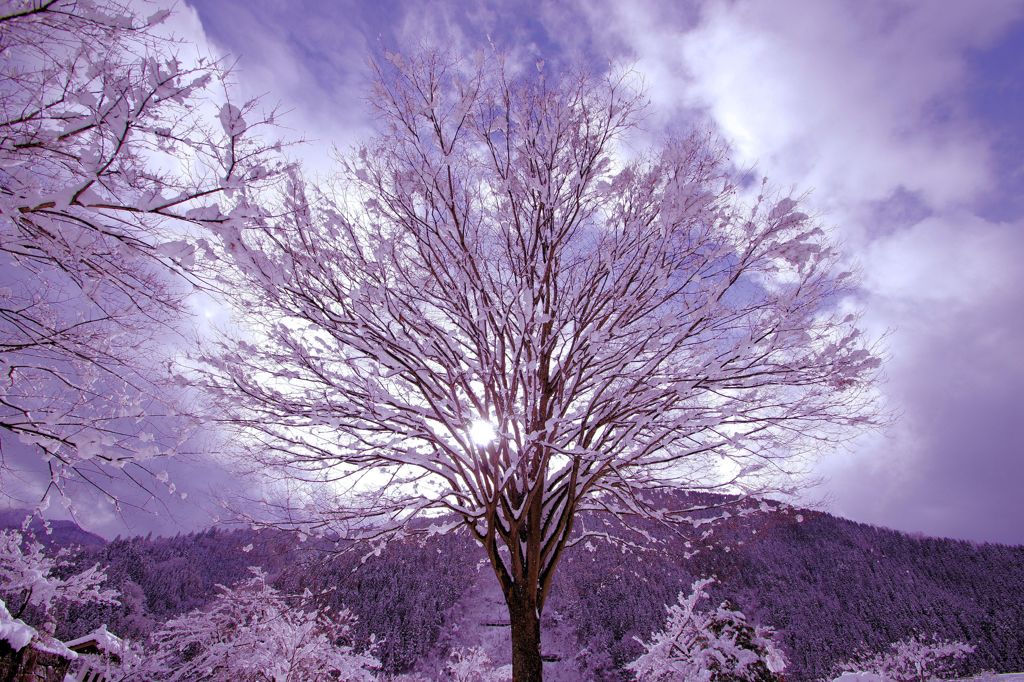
x=829, y=585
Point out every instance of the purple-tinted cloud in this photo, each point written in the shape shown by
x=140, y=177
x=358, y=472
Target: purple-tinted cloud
x=951, y=464
x=171, y=495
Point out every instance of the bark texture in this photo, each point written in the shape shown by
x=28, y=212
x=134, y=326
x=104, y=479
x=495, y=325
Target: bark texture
x=527, y=665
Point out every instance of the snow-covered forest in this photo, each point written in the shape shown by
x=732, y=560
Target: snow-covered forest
x=797, y=577
x=520, y=388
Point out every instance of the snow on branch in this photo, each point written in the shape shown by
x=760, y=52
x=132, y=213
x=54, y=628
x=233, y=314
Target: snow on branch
x=31, y=577
x=114, y=171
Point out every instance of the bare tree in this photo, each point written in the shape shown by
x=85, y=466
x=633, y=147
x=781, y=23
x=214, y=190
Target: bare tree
x=112, y=164
x=498, y=320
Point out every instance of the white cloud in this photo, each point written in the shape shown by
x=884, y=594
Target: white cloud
x=852, y=99
x=957, y=258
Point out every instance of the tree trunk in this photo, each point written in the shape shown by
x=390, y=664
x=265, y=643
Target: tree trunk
x=525, y=620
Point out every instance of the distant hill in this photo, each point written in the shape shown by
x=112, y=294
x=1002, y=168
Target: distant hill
x=829, y=585
x=61, y=533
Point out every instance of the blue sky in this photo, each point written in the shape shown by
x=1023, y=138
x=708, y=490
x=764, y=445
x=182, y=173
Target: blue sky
x=902, y=119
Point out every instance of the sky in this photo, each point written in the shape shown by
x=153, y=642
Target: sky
x=902, y=121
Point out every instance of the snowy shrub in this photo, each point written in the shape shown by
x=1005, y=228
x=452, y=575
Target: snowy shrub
x=472, y=664
x=708, y=646
x=254, y=633
x=916, y=659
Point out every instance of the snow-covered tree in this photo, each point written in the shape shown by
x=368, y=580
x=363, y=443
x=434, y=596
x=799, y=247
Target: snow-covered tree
x=497, y=318
x=915, y=659
x=253, y=633
x=701, y=645
x=115, y=159
x=29, y=576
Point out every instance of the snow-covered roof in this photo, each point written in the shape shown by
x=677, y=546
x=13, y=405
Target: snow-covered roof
x=52, y=645
x=102, y=638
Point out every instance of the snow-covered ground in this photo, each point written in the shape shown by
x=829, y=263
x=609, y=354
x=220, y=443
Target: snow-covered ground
x=480, y=619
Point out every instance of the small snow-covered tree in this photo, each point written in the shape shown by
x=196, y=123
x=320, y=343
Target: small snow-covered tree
x=915, y=659
x=708, y=645
x=253, y=633
x=472, y=664
x=497, y=318
x=29, y=576
x=115, y=160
